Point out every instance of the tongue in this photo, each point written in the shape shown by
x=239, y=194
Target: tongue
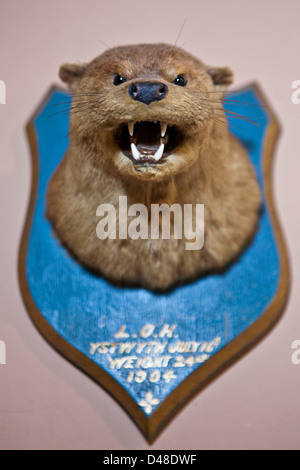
x=147, y=149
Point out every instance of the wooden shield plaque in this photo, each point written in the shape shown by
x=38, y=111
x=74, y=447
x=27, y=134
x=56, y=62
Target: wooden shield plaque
x=152, y=351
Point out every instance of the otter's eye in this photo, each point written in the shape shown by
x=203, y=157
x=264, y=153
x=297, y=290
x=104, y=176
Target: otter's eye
x=118, y=79
x=180, y=80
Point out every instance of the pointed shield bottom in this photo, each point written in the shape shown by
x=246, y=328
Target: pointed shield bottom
x=152, y=351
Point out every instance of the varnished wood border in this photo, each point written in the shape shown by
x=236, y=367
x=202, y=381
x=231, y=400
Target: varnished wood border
x=218, y=362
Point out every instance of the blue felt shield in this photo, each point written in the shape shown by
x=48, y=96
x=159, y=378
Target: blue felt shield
x=152, y=351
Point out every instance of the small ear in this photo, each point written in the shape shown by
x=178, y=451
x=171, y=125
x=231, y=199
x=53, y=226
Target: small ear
x=72, y=74
x=221, y=75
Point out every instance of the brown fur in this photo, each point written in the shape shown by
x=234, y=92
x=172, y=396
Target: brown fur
x=211, y=167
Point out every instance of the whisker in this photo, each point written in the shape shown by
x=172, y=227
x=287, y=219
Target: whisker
x=238, y=118
x=69, y=102
x=233, y=102
x=227, y=112
x=244, y=103
x=104, y=43
x=90, y=93
x=231, y=115
x=72, y=130
x=225, y=123
x=180, y=31
x=243, y=118
x=75, y=109
x=218, y=91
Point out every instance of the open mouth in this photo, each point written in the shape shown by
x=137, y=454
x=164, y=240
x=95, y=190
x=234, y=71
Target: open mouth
x=148, y=141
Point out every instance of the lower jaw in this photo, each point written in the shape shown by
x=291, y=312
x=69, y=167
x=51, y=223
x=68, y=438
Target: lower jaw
x=146, y=161
x=146, y=170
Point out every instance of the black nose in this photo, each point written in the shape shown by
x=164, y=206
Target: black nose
x=147, y=92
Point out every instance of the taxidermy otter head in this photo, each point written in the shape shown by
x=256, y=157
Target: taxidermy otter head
x=144, y=108
x=147, y=122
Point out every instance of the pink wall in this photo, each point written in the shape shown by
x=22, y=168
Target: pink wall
x=46, y=403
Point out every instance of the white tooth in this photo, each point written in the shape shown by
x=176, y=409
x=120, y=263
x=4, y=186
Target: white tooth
x=163, y=129
x=131, y=128
x=159, y=152
x=135, y=153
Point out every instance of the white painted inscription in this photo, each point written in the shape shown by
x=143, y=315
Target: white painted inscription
x=149, y=355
